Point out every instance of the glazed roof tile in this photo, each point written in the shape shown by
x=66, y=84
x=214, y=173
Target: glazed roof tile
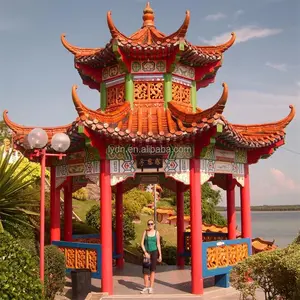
x=175, y=123
x=148, y=39
x=20, y=132
x=171, y=124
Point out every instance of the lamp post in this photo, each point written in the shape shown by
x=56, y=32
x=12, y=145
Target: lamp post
x=37, y=139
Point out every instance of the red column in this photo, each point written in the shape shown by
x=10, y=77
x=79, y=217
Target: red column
x=196, y=226
x=68, y=210
x=245, y=206
x=231, y=213
x=54, y=208
x=119, y=225
x=180, y=224
x=106, y=227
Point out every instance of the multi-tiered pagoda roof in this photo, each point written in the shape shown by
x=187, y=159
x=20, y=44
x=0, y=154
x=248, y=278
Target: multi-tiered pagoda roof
x=148, y=83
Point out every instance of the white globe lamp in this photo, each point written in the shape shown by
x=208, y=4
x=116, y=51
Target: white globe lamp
x=37, y=138
x=60, y=142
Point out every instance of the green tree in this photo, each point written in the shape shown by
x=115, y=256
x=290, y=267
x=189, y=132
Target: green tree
x=15, y=177
x=210, y=200
x=4, y=131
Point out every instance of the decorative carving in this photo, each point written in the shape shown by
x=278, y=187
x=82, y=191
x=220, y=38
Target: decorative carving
x=115, y=95
x=92, y=259
x=113, y=71
x=70, y=258
x=148, y=91
x=181, y=93
x=241, y=156
x=184, y=71
x=80, y=258
x=151, y=66
x=227, y=255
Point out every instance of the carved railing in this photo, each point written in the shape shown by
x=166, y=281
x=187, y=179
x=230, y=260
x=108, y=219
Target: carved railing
x=85, y=252
x=82, y=256
x=220, y=256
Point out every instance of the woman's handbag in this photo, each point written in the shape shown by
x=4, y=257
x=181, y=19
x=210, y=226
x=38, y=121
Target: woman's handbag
x=146, y=262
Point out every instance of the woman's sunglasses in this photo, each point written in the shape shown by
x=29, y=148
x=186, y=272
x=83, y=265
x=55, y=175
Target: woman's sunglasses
x=150, y=224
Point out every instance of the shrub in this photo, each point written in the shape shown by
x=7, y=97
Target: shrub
x=132, y=208
x=83, y=228
x=128, y=230
x=92, y=217
x=93, y=220
x=276, y=272
x=147, y=211
x=19, y=276
x=55, y=271
x=81, y=194
x=169, y=254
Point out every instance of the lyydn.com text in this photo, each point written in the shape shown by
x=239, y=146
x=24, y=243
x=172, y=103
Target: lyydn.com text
x=149, y=149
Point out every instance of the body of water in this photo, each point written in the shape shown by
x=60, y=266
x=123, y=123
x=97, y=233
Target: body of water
x=283, y=226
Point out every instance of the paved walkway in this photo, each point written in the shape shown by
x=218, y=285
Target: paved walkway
x=170, y=283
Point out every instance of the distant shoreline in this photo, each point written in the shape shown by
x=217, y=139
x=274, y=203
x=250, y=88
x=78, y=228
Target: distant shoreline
x=266, y=208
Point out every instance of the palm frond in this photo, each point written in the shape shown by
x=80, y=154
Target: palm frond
x=15, y=178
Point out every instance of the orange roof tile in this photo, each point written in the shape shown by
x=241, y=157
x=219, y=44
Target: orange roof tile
x=260, y=245
x=19, y=131
x=146, y=42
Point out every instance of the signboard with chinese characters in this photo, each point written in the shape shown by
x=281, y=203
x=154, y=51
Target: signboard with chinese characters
x=149, y=162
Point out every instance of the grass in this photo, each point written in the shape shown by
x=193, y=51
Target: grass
x=82, y=207
x=168, y=232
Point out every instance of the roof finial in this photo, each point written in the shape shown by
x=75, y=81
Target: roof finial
x=148, y=16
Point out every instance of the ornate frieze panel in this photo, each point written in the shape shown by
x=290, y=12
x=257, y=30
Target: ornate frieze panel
x=148, y=66
x=146, y=91
x=226, y=255
x=237, y=156
x=184, y=71
x=211, y=167
x=91, y=167
x=181, y=93
x=115, y=95
x=112, y=72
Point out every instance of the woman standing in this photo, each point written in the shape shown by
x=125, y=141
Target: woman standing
x=152, y=250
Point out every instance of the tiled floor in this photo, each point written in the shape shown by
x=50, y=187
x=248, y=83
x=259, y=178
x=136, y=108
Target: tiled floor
x=170, y=283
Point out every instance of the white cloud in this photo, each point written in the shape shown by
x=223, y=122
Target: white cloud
x=278, y=67
x=244, y=34
x=284, y=182
x=215, y=17
x=238, y=13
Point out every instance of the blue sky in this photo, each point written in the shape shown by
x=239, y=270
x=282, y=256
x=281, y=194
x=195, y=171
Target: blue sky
x=261, y=69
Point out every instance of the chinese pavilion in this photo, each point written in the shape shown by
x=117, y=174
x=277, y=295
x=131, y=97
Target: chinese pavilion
x=149, y=129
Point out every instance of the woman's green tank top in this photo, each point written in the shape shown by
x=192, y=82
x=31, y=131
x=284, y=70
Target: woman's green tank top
x=150, y=242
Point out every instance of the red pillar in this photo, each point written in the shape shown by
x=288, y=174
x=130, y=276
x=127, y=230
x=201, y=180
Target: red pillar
x=196, y=226
x=68, y=210
x=245, y=206
x=119, y=225
x=231, y=213
x=54, y=208
x=106, y=227
x=180, y=224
